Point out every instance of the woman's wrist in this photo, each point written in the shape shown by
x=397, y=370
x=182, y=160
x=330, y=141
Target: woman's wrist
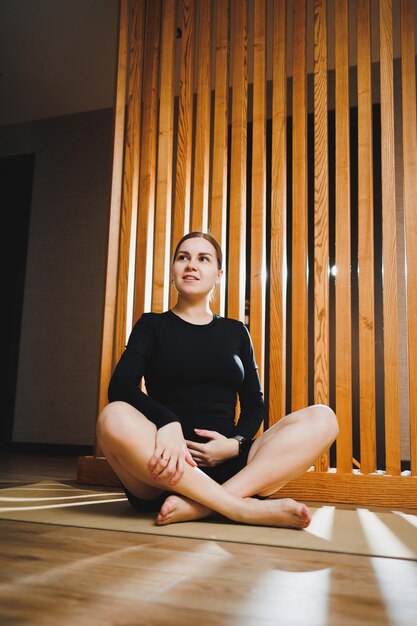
x=240, y=441
x=235, y=447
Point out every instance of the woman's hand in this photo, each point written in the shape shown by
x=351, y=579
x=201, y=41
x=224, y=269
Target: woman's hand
x=215, y=451
x=170, y=455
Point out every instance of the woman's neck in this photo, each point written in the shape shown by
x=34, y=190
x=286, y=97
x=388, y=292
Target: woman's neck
x=195, y=312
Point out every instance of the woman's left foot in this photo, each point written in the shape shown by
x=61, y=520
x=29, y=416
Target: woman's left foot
x=180, y=509
x=283, y=513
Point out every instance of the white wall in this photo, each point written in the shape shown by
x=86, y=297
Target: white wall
x=60, y=344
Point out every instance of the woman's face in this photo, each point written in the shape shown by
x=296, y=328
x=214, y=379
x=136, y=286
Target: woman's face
x=195, y=270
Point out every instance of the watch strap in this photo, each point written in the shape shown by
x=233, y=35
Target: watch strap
x=240, y=439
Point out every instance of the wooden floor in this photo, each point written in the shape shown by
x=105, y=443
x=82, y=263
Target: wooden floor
x=55, y=575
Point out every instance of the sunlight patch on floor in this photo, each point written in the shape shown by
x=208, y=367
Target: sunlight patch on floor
x=390, y=573
x=277, y=594
x=411, y=519
x=54, y=498
x=378, y=534
x=322, y=522
x=63, y=505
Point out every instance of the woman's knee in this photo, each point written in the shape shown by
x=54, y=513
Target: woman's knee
x=325, y=419
x=112, y=421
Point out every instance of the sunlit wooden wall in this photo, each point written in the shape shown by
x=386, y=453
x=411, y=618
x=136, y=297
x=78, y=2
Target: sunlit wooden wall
x=211, y=132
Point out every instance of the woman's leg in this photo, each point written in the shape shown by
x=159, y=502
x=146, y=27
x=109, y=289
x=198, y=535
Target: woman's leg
x=116, y=425
x=278, y=455
x=286, y=450
x=128, y=440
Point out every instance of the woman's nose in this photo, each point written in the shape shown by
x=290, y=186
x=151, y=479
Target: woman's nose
x=191, y=264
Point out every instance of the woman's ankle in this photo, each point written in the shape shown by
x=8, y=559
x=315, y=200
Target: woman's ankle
x=241, y=511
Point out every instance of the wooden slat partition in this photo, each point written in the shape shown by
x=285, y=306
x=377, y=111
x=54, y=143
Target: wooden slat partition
x=410, y=213
x=299, y=322
x=389, y=244
x=258, y=214
x=162, y=246
x=278, y=236
x=237, y=212
x=164, y=214
x=218, y=213
x=343, y=332
x=199, y=215
x=146, y=217
x=365, y=242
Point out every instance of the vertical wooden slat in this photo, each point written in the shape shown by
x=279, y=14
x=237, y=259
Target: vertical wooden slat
x=343, y=243
x=199, y=214
x=110, y=296
x=107, y=362
x=146, y=216
x=182, y=200
x=410, y=212
x=321, y=214
x=258, y=216
x=218, y=213
x=365, y=242
x=161, y=259
x=299, y=360
x=278, y=253
x=389, y=243
x=131, y=170
x=237, y=217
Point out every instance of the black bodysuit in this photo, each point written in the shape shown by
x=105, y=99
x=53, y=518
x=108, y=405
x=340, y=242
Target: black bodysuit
x=193, y=374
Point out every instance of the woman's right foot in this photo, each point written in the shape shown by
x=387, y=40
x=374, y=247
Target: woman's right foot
x=180, y=509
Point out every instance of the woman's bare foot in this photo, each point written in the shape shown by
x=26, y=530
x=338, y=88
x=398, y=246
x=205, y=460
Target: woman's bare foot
x=284, y=513
x=180, y=509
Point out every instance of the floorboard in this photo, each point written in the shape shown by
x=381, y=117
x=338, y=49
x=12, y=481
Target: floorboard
x=54, y=575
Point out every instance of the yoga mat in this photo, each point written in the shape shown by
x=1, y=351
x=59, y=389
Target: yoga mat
x=351, y=531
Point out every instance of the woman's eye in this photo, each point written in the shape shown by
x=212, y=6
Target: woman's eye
x=204, y=258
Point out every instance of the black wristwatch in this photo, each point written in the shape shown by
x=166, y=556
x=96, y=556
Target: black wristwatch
x=240, y=440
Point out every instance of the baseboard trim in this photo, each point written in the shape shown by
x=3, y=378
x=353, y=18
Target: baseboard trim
x=50, y=449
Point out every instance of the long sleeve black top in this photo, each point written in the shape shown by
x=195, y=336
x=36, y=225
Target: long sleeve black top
x=193, y=374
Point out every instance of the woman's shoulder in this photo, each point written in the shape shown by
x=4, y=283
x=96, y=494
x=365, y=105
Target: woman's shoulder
x=232, y=324
x=231, y=321
x=149, y=320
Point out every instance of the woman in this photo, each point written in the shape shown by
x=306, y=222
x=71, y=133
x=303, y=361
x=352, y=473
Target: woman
x=176, y=449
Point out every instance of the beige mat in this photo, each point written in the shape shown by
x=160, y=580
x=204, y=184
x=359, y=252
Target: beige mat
x=352, y=531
